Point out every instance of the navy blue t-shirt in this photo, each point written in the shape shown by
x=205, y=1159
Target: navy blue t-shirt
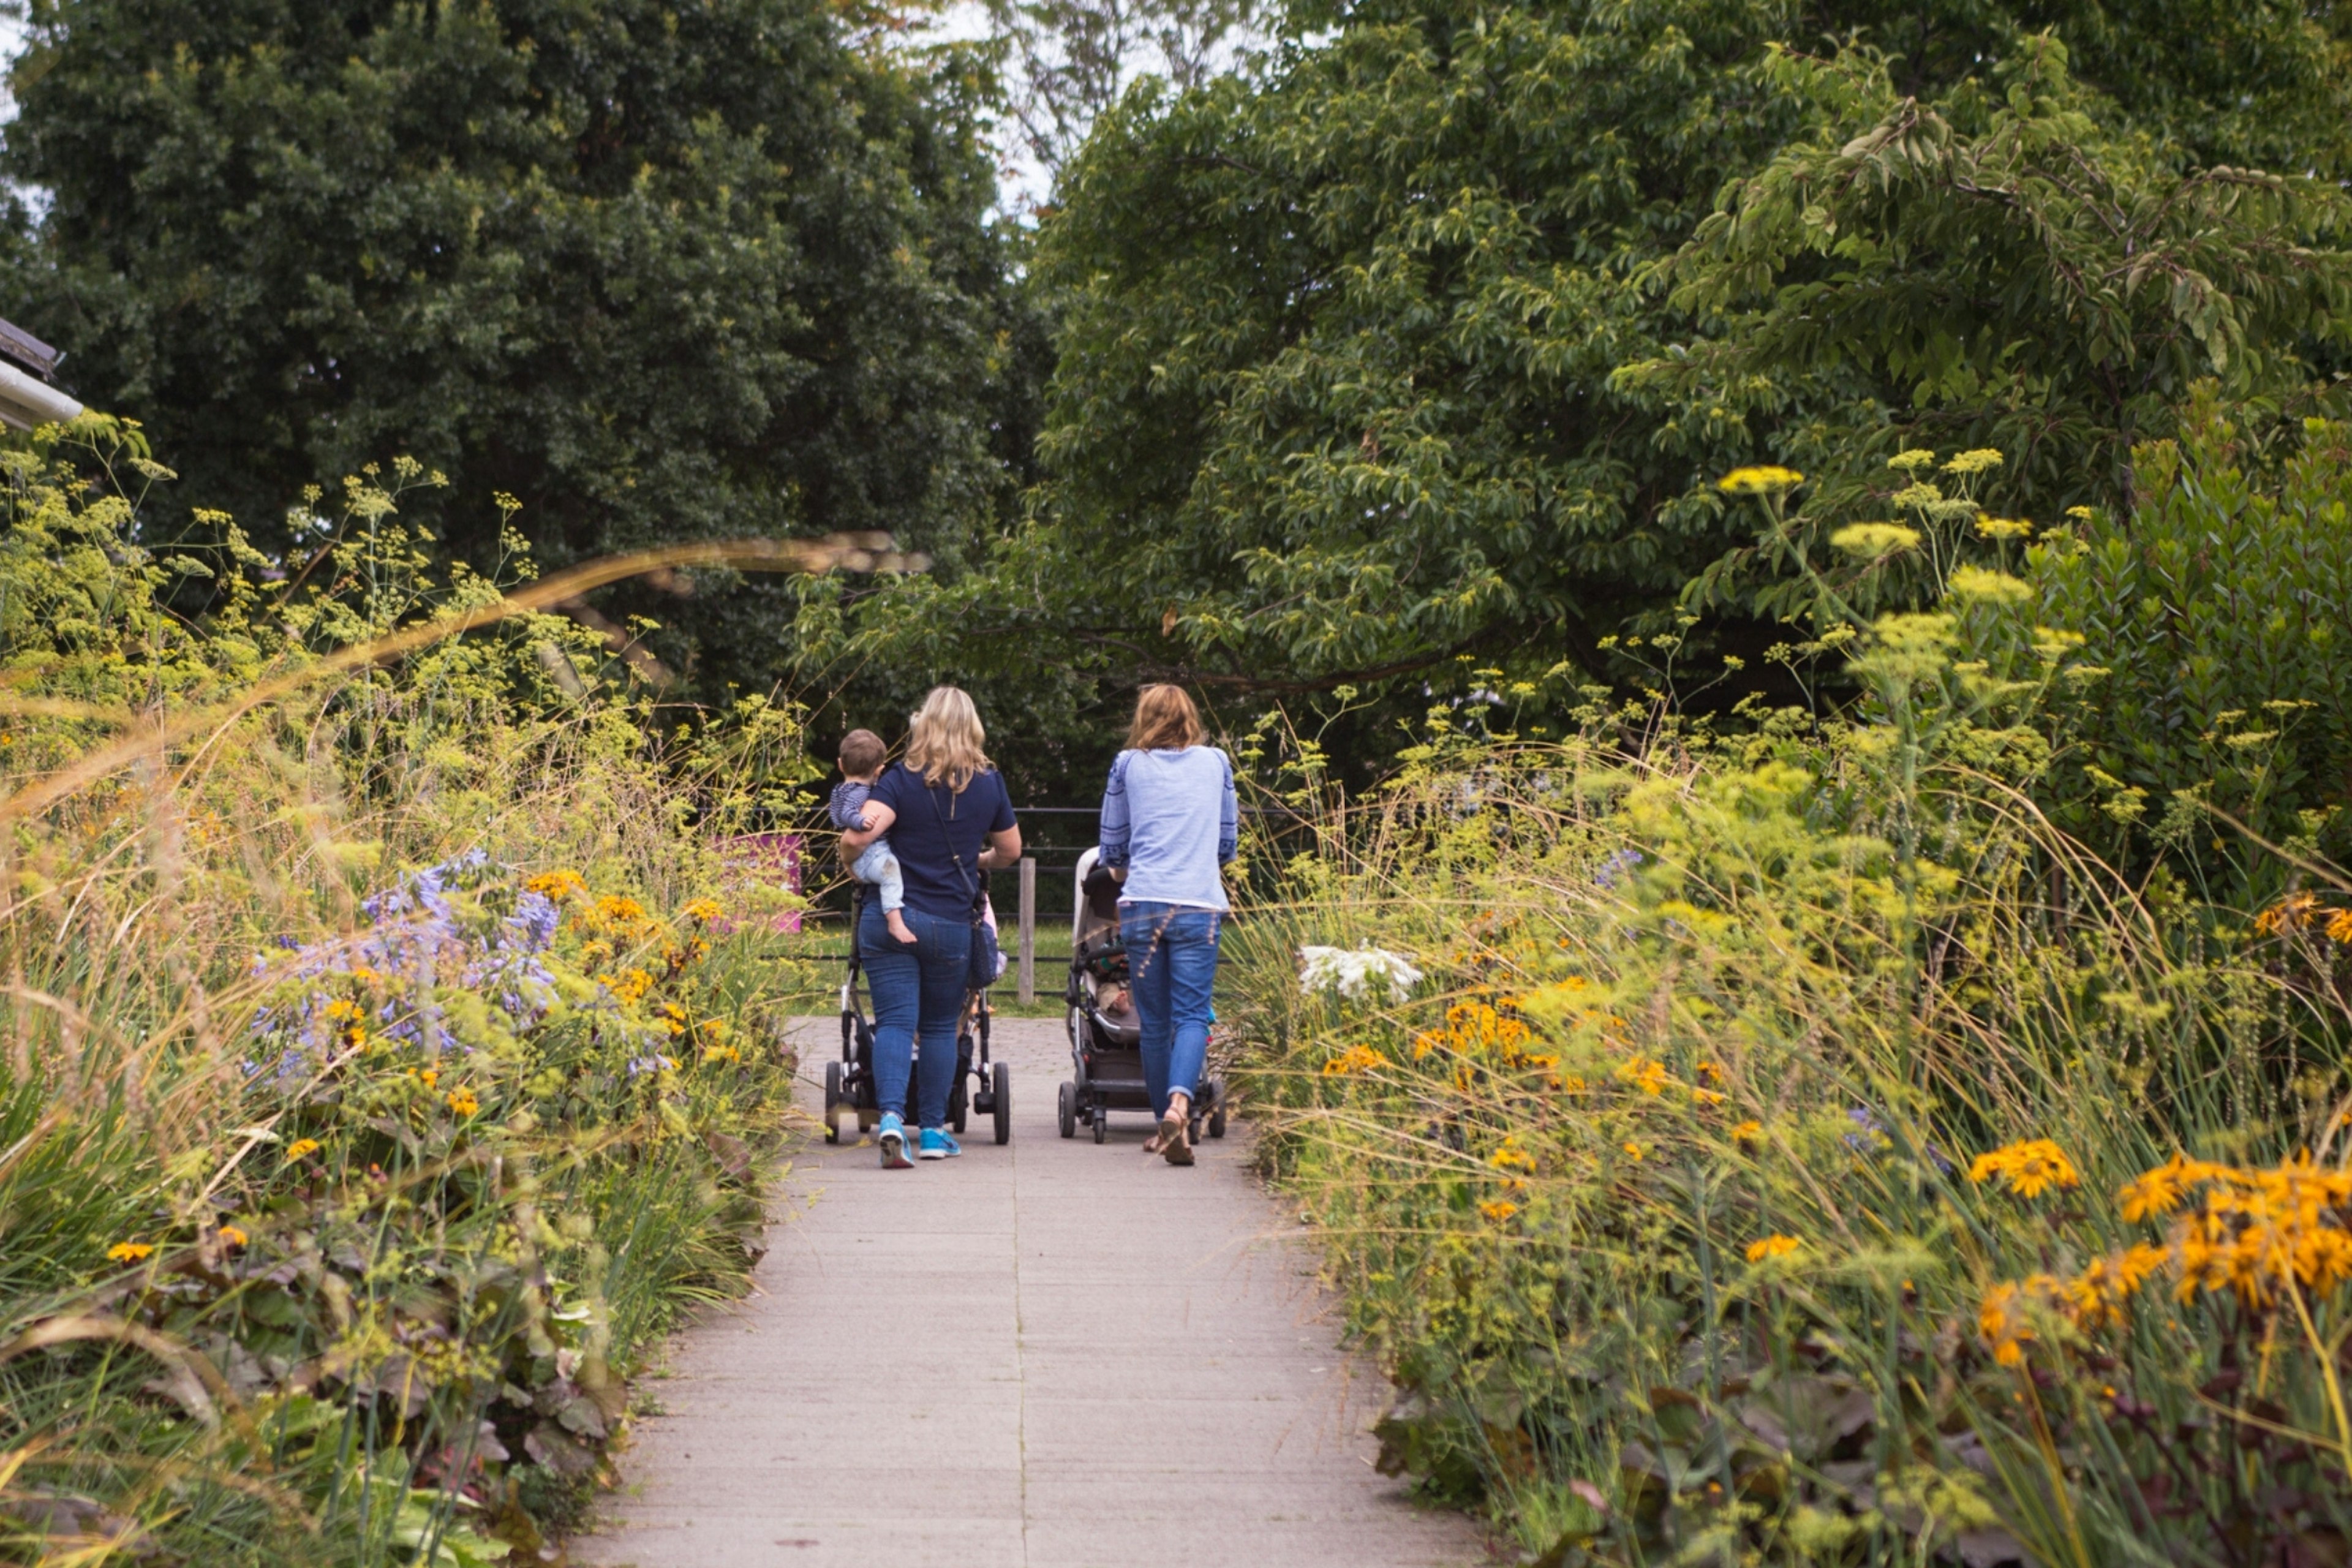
x=921, y=837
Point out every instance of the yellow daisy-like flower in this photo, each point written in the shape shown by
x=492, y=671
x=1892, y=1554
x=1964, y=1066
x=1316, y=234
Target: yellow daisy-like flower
x=1772, y=1246
x=301, y=1148
x=1632, y=1150
x=1747, y=1133
x=557, y=886
x=704, y=911
x=1498, y=1210
x=462, y=1102
x=231, y=1236
x=721, y=1054
x=1765, y=479
x=1354, y=1060
x=1649, y=1077
x=2339, y=927
x=1511, y=1157
x=2028, y=1169
x=129, y=1251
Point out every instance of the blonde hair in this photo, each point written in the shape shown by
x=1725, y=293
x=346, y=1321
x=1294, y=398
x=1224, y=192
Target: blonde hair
x=945, y=740
x=1165, y=720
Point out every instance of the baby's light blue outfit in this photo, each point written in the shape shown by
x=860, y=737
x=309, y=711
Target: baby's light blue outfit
x=877, y=865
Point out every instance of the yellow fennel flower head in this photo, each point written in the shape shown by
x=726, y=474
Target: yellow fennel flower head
x=301, y=1148
x=1765, y=478
x=2028, y=1169
x=130, y=1251
x=462, y=1102
x=1772, y=1246
x=1875, y=539
x=1912, y=459
x=1974, y=462
x=1498, y=1210
x=2003, y=527
x=1975, y=585
x=557, y=886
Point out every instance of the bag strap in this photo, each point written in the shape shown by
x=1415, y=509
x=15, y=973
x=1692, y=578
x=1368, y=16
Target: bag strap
x=971, y=883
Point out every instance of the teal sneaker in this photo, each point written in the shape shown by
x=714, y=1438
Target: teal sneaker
x=938, y=1145
x=891, y=1135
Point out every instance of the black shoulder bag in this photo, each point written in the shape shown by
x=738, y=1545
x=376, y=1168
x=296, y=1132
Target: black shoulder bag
x=985, y=960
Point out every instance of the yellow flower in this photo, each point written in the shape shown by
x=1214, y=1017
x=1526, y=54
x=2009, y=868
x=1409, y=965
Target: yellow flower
x=2160, y=1192
x=2286, y=914
x=1511, y=1157
x=631, y=986
x=1354, y=1060
x=301, y=1148
x=1649, y=1077
x=703, y=911
x=2003, y=527
x=1747, y=1133
x=1772, y=1246
x=2339, y=927
x=1632, y=1149
x=1761, y=479
x=342, y=1008
x=429, y=1076
x=1710, y=1073
x=1708, y=1097
x=721, y=1054
x=1500, y=1210
x=557, y=886
x=129, y=1251
x=673, y=1017
x=2028, y=1169
x=462, y=1102
x=2002, y=1320
x=231, y=1236
x=1975, y=462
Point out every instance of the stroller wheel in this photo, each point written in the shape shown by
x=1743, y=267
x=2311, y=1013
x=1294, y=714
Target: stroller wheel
x=1001, y=1091
x=1069, y=1109
x=1217, y=1108
x=1102, y=1124
x=833, y=1106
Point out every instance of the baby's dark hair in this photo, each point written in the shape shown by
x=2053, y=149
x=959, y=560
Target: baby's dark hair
x=862, y=752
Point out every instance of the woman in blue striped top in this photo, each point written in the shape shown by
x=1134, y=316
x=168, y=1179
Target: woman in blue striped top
x=1169, y=823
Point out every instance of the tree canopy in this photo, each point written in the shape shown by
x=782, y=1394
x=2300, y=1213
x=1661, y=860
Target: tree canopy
x=658, y=272
x=1425, y=347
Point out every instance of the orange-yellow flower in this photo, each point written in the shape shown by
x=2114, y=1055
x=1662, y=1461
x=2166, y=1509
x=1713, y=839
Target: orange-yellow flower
x=129, y=1251
x=299, y=1148
x=1354, y=1060
x=1772, y=1246
x=2028, y=1169
x=462, y=1102
x=1498, y=1210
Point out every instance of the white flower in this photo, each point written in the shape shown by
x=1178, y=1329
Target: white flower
x=1354, y=974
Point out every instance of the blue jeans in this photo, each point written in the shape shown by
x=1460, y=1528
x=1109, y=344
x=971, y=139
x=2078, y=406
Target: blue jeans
x=1171, y=962
x=917, y=991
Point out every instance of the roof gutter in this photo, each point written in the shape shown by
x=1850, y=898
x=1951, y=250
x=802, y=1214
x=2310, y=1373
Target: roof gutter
x=26, y=401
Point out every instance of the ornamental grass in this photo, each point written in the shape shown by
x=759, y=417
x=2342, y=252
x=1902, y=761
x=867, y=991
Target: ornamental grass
x=387, y=1064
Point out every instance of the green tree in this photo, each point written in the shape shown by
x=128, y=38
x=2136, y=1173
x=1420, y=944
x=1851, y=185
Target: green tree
x=1344, y=391
x=658, y=270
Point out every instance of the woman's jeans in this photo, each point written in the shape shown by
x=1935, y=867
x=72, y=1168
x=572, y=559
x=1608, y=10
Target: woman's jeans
x=1172, y=964
x=918, y=990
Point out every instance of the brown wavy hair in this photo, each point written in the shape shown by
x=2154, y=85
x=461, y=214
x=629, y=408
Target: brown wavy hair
x=1165, y=720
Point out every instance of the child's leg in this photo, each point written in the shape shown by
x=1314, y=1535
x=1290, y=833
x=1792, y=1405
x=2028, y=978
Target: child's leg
x=880, y=867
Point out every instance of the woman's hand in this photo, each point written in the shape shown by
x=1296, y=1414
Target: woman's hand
x=879, y=819
x=1003, y=849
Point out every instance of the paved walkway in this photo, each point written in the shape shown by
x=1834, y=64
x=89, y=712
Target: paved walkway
x=1050, y=1354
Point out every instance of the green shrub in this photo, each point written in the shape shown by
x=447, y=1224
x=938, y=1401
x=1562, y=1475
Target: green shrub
x=2218, y=608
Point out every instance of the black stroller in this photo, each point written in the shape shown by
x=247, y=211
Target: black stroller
x=1106, y=1053
x=849, y=1082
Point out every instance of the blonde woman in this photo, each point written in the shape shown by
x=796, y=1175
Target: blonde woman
x=950, y=819
x=1169, y=822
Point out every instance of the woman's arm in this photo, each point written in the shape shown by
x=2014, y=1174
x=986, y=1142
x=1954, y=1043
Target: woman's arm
x=1229, y=820
x=1003, y=849
x=879, y=819
x=1111, y=842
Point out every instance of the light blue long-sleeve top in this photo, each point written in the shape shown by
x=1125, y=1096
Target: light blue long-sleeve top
x=1170, y=819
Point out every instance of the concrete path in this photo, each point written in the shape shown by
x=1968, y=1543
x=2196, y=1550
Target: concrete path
x=1051, y=1355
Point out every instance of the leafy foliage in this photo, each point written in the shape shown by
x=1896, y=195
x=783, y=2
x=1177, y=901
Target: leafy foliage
x=659, y=273
x=396, y=1076
x=1376, y=362
x=2215, y=607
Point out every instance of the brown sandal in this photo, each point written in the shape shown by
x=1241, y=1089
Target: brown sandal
x=1175, y=1141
